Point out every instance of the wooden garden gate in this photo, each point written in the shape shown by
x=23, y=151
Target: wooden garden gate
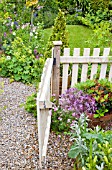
x=50, y=82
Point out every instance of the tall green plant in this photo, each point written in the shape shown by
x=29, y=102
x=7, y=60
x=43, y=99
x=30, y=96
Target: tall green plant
x=91, y=149
x=59, y=33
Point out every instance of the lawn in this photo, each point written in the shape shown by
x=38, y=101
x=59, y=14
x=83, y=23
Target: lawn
x=77, y=35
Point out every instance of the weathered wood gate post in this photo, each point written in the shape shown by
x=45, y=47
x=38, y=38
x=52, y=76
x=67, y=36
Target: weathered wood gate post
x=56, y=68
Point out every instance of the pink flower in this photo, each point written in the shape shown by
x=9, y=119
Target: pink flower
x=59, y=118
x=53, y=95
x=55, y=109
x=73, y=114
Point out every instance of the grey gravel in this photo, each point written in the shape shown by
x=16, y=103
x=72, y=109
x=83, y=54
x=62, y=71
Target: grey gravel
x=19, y=137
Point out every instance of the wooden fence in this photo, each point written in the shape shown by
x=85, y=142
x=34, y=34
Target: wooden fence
x=50, y=82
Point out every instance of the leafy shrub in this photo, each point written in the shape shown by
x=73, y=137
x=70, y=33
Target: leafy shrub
x=99, y=4
x=102, y=33
x=91, y=149
x=17, y=11
x=90, y=18
x=20, y=63
x=72, y=19
x=47, y=13
x=46, y=17
x=101, y=91
x=30, y=105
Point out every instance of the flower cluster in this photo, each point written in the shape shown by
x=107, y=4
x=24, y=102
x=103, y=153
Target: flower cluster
x=36, y=54
x=31, y=3
x=78, y=102
x=72, y=104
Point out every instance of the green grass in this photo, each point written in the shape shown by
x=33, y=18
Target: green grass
x=77, y=35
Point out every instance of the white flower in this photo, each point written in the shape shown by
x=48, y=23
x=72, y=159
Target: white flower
x=36, y=33
x=68, y=120
x=23, y=27
x=34, y=30
x=31, y=34
x=14, y=33
x=8, y=57
x=12, y=23
x=35, y=36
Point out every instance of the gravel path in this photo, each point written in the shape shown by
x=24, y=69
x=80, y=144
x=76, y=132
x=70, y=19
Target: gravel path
x=18, y=134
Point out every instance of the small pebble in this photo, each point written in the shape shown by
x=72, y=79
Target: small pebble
x=18, y=134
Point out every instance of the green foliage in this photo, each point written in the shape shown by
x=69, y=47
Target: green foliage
x=60, y=120
x=83, y=4
x=47, y=17
x=103, y=34
x=59, y=33
x=15, y=10
x=32, y=39
x=101, y=91
x=20, y=63
x=87, y=149
x=90, y=18
x=73, y=19
x=99, y=4
x=68, y=6
x=47, y=13
x=23, y=50
x=30, y=105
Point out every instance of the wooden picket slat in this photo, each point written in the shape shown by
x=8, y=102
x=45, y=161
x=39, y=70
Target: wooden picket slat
x=46, y=80
x=47, y=131
x=110, y=73
x=103, y=71
x=85, y=66
x=75, y=68
x=65, y=71
x=106, y=52
x=43, y=106
x=104, y=66
x=96, y=52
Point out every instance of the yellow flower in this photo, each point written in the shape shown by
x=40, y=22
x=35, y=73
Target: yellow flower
x=30, y=3
x=6, y=15
x=29, y=51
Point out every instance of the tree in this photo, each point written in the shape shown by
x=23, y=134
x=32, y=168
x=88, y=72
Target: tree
x=59, y=33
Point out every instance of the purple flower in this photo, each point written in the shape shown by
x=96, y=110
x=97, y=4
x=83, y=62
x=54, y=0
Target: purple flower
x=5, y=34
x=35, y=51
x=10, y=30
x=37, y=56
x=77, y=102
x=16, y=23
x=35, y=14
